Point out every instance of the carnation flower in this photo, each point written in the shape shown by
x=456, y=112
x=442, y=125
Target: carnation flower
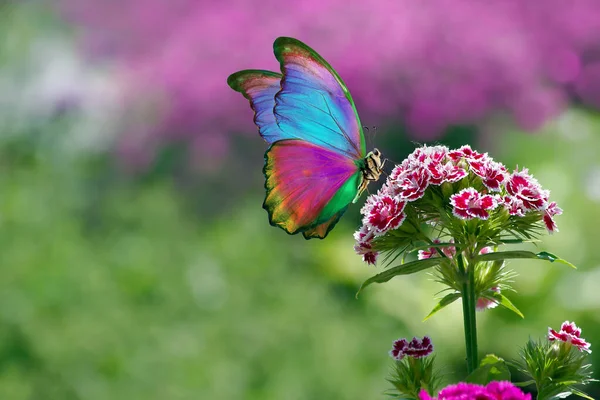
x=495, y=390
x=363, y=245
x=416, y=348
x=492, y=173
x=383, y=212
x=551, y=210
x=569, y=333
x=469, y=204
x=527, y=189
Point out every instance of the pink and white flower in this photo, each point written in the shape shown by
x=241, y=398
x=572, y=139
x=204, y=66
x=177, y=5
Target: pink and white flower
x=382, y=213
x=432, y=252
x=440, y=172
x=469, y=203
x=363, y=246
x=484, y=303
x=527, y=189
x=467, y=153
x=569, y=333
x=411, y=184
x=514, y=206
x=551, y=210
x=492, y=173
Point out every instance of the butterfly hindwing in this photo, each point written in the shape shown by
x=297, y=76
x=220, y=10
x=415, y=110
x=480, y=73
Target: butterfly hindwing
x=307, y=186
x=314, y=103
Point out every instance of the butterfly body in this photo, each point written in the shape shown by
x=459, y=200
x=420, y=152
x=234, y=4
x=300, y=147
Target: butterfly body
x=316, y=164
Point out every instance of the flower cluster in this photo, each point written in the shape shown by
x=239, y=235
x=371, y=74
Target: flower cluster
x=495, y=390
x=569, y=333
x=415, y=348
x=439, y=186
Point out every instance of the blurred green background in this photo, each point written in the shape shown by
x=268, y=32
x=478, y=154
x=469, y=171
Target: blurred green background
x=168, y=283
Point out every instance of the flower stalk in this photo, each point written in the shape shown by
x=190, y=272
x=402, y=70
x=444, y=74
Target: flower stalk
x=470, y=323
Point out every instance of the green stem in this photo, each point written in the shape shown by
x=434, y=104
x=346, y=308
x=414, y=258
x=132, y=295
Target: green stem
x=469, y=301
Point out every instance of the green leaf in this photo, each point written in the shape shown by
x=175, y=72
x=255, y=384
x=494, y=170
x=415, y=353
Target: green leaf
x=491, y=368
x=403, y=269
x=506, y=303
x=446, y=301
x=580, y=393
x=516, y=254
x=524, y=384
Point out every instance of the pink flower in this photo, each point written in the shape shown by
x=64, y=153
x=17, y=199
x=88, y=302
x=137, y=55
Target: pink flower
x=569, y=333
x=484, y=303
x=415, y=348
x=514, y=205
x=411, y=184
x=363, y=245
x=495, y=390
x=383, y=213
x=440, y=172
x=551, y=210
x=527, y=189
x=467, y=153
x=486, y=250
x=432, y=252
x=469, y=204
x=492, y=173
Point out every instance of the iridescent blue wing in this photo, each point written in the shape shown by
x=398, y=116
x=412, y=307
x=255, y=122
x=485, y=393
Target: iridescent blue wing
x=314, y=103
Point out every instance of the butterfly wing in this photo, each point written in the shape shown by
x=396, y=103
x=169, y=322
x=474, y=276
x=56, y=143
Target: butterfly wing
x=309, y=118
x=260, y=88
x=308, y=186
x=314, y=103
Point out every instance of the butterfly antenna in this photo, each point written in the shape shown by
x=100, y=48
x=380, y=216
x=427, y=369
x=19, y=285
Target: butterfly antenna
x=391, y=162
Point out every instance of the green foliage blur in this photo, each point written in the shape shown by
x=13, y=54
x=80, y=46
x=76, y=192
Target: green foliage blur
x=137, y=286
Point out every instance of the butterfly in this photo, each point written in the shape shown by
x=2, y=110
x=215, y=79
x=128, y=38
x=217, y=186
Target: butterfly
x=316, y=164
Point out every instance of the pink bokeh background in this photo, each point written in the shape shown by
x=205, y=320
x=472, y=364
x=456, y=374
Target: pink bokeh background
x=424, y=64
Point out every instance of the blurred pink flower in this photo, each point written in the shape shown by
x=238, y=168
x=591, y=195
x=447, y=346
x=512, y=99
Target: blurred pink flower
x=495, y=390
x=428, y=64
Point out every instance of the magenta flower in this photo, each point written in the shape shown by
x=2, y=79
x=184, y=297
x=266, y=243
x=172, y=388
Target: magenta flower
x=569, y=333
x=494, y=390
x=469, y=204
x=416, y=348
